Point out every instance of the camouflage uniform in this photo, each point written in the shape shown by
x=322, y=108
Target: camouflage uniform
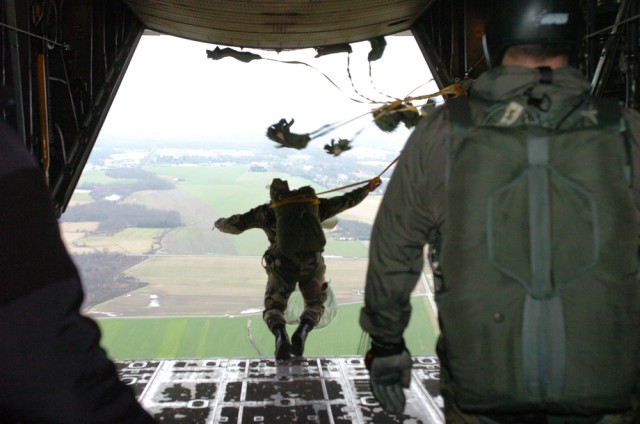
x=284, y=271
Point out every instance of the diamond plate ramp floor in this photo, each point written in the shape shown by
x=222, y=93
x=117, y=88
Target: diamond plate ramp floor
x=302, y=390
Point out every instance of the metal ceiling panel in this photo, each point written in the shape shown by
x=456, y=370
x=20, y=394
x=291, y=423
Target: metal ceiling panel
x=290, y=24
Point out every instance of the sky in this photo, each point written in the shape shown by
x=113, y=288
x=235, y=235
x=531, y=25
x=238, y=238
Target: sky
x=173, y=92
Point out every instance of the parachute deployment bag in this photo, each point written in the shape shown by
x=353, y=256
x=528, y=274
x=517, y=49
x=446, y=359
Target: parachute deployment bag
x=539, y=307
x=298, y=227
x=296, y=305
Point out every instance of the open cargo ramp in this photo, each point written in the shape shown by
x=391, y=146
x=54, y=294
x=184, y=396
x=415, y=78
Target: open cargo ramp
x=262, y=390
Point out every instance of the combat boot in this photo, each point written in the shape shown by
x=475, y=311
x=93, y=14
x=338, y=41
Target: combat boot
x=283, y=346
x=299, y=337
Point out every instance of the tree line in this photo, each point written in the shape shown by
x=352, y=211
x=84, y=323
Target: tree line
x=103, y=276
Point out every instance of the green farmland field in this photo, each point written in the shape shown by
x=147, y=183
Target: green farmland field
x=134, y=241
x=96, y=176
x=167, y=338
x=228, y=189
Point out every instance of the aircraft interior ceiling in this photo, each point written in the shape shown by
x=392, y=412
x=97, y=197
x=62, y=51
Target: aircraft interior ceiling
x=63, y=60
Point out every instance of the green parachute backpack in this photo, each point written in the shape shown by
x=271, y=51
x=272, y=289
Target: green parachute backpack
x=298, y=227
x=540, y=299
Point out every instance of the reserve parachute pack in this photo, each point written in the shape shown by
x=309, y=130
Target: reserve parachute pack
x=539, y=305
x=298, y=227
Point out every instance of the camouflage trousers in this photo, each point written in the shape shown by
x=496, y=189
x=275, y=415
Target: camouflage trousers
x=283, y=274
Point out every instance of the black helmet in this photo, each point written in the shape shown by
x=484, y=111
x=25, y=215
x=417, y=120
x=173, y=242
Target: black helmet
x=278, y=188
x=546, y=22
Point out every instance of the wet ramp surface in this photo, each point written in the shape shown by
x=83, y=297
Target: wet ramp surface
x=302, y=390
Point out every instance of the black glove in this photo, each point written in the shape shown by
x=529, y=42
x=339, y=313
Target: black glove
x=389, y=368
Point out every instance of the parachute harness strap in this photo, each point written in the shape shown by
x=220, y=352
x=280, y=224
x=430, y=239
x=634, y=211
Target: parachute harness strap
x=296, y=199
